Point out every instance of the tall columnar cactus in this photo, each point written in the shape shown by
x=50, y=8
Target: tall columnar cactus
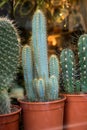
x=53, y=88
x=82, y=52
x=9, y=54
x=54, y=66
x=28, y=71
x=68, y=70
x=39, y=44
x=36, y=74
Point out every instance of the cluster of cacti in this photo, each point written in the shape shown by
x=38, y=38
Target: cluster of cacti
x=39, y=87
x=9, y=52
x=67, y=61
x=82, y=53
x=70, y=82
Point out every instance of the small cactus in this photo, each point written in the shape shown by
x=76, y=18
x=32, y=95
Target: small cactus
x=68, y=71
x=5, y=107
x=82, y=53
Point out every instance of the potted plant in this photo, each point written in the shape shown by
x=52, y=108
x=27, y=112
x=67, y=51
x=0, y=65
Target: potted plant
x=43, y=107
x=9, y=51
x=75, y=116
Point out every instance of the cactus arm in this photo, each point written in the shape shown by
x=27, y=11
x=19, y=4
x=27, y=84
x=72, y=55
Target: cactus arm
x=28, y=71
x=54, y=66
x=40, y=89
x=53, y=88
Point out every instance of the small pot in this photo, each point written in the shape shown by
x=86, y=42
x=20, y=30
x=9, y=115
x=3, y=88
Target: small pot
x=43, y=115
x=75, y=112
x=10, y=121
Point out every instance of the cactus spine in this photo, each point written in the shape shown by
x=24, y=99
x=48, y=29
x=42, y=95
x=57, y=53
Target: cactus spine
x=9, y=51
x=68, y=70
x=82, y=52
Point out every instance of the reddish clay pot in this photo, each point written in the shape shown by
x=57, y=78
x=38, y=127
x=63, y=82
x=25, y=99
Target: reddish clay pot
x=10, y=121
x=75, y=112
x=43, y=115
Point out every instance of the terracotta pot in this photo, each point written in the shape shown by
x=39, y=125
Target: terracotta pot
x=75, y=112
x=43, y=115
x=10, y=121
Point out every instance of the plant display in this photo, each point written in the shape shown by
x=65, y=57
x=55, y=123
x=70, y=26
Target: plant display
x=39, y=87
x=9, y=51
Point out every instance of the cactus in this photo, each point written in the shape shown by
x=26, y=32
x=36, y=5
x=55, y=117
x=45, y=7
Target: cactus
x=9, y=53
x=27, y=64
x=54, y=66
x=35, y=64
x=39, y=44
x=82, y=53
x=40, y=89
x=5, y=107
x=53, y=88
x=68, y=70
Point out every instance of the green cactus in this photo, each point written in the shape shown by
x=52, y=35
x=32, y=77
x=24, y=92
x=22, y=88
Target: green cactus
x=82, y=52
x=5, y=106
x=9, y=51
x=68, y=69
x=53, y=88
x=27, y=64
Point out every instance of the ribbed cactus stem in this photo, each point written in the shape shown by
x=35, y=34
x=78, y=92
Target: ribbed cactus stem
x=82, y=52
x=9, y=51
x=40, y=89
x=39, y=44
x=67, y=61
x=53, y=88
x=28, y=71
x=35, y=81
x=5, y=107
x=54, y=66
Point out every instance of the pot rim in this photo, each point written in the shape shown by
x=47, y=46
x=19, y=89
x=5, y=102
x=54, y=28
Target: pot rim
x=13, y=113
x=63, y=98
